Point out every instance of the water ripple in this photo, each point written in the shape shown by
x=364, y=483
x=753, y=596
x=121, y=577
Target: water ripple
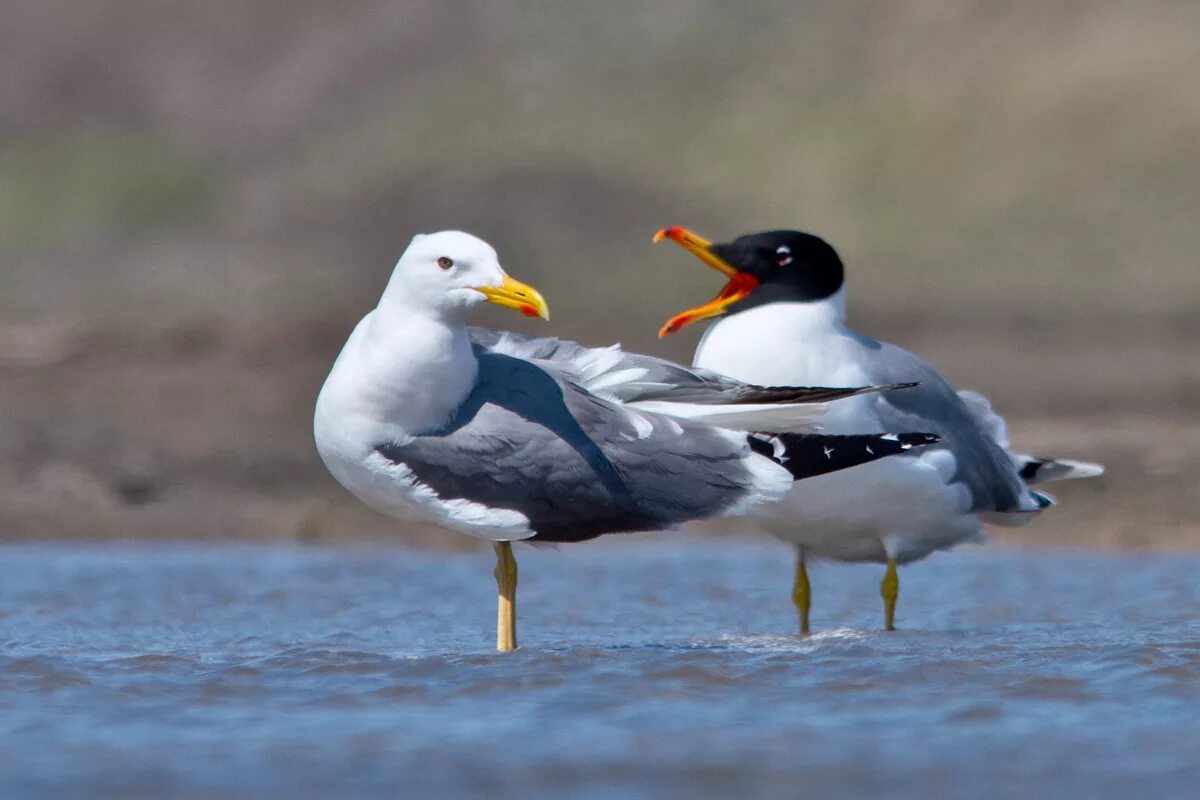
x=646, y=669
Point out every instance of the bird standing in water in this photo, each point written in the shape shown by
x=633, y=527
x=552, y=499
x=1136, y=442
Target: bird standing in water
x=781, y=319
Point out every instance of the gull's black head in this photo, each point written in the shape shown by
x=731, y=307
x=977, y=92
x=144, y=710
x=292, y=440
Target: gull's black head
x=789, y=265
x=768, y=267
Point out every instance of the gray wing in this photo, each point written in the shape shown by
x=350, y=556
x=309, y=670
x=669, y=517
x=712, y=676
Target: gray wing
x=632, y=377
x=934, y=406
x=577, y=465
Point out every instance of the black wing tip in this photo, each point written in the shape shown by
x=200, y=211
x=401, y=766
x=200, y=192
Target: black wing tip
x=884, y=387
x=1030, y=470
x=910, y=440
x=754, y=393
x=807, y=455
x=1043, y=500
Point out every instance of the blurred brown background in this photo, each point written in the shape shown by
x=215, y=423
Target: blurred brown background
x=198, y=200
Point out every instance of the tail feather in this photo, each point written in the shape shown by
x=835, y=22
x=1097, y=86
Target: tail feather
x=1044, y=470
x=808, y=455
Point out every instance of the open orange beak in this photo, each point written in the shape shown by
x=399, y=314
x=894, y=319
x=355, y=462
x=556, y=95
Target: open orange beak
x=740, y=283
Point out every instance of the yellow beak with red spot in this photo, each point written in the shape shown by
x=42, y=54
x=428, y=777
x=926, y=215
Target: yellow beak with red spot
x=514, y=294
x=739, y=286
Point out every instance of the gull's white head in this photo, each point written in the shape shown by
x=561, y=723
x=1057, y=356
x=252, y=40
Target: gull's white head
x=449, y=273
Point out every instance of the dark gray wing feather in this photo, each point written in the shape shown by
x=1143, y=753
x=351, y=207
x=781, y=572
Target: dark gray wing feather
x=577, y=465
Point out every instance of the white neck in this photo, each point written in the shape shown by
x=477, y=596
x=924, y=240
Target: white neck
x=402, y=372
x=753, y=345
x=831, y=311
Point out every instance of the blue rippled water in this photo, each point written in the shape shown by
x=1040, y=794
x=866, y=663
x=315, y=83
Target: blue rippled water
x=647, y=668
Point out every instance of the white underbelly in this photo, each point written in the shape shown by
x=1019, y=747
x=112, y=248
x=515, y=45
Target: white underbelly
x=902, y=507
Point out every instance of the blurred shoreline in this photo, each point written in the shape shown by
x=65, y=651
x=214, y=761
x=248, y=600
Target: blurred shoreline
x=200, y=431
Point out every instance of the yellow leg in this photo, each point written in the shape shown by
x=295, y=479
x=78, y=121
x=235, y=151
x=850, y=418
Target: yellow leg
x=801, y=591
x=889, y=590
x=506, y=585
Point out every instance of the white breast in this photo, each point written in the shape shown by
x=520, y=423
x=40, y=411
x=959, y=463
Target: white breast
x=394, y=379
x=782, y=344
x=794, y=344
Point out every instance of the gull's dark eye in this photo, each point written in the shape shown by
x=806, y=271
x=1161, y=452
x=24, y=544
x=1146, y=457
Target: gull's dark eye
x=445, y=263
x=783, y=255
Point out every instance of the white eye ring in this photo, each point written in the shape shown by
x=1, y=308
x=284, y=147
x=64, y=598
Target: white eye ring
x=444, y=262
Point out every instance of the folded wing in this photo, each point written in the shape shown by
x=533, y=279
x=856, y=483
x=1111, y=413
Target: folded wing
x=579, y=465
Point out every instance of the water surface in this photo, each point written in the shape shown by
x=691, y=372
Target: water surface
x=662, y=668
